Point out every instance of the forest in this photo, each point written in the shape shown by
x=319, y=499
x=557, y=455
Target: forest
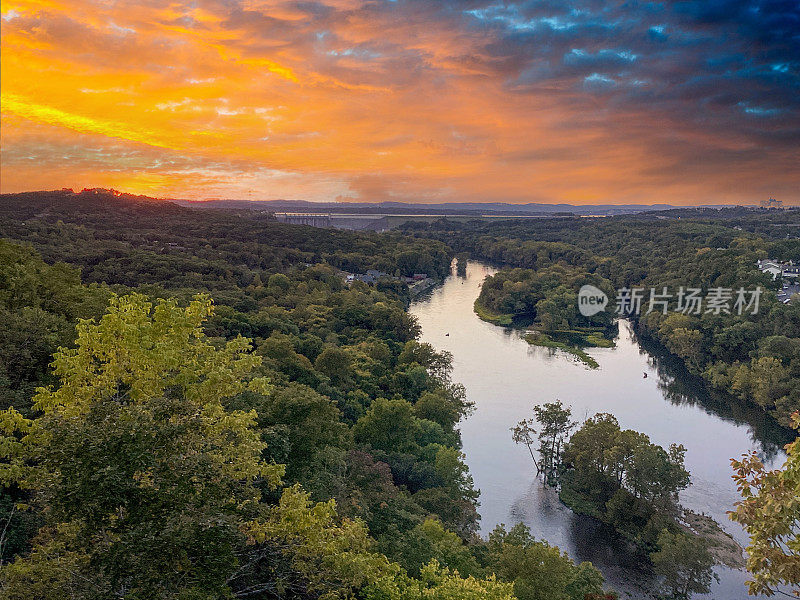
x=755, y=357
x=197, y=404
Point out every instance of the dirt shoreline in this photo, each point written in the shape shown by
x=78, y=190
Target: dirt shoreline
x=725, y=550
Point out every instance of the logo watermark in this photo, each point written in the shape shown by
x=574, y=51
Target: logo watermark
x=687, y=301
x=591, y=300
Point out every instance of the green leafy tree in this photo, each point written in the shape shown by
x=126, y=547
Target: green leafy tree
x=523, y=433
x=327, y=557
x=145, y=479
x=622, y=478
x=439, y=583
x=539, y=571
x=554, y=426
x=333, y=558
x=425, y=355
x=454, y=472
x=388, y=425
x=39, y=308
x=770, y=511
x=654, y=474
x=299, y=425
x=430, y=540
x=439, y=408
x=336, y=363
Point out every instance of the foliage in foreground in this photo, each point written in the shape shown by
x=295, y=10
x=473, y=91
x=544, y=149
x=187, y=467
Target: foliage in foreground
x=770, y=511
x=134, y=461
x=152, y=486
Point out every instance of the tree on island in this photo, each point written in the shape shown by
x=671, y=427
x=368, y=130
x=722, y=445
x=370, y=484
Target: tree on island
x=621, y=478
x=554, y=425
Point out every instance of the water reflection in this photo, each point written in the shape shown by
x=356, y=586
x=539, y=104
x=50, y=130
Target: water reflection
x=680, y=387
x=505, y=377
x=584, y=539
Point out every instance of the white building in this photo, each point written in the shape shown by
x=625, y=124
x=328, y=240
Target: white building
x=777, y=268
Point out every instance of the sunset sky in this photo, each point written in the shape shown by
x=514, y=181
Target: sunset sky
x=422, y=101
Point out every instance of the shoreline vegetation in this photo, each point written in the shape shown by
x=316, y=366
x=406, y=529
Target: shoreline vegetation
x=622, y=479
x=490, y=316
x=544, y=340
x=571, y=341
x=544, y=303
x=751, y=356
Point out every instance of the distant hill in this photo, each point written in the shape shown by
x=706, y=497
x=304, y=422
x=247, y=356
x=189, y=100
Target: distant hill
x=28, y=205
x=408, y=208
x=99, y=199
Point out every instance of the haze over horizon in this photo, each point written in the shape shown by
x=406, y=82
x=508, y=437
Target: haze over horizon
x=578, y=102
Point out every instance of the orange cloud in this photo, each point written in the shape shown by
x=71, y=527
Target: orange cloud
x=36, y=112
x=369, y=100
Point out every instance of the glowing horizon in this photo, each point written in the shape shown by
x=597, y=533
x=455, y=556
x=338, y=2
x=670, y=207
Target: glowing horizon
x=415, y=101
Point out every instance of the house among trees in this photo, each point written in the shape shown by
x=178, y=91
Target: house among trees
x=371, y=276
x=788, y=291
x=777, y=268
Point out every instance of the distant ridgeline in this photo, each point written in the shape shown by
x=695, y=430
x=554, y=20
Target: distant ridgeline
x=475, y=209
x=134, y=240
x=755, y=357
x=236, y=420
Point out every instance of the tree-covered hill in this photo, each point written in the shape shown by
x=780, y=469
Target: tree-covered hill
x=133, y=240
x=233, y=420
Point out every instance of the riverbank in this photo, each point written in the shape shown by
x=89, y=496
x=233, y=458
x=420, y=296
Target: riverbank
x=571, y=341
x=488, y=315
x=417, y=288
x=505, y=376
x=725, y=550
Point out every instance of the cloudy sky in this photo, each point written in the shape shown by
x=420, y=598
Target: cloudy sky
x=544, y=101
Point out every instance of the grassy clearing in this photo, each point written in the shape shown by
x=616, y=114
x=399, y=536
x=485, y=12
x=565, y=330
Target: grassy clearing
x=572, y=341
x=538, y=338
x=584, y=337
x=490, y=316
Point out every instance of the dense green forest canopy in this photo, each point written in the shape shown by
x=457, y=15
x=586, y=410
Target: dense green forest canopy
x=226, y=417
x=547, y=296
x=324, y=453
x=136, y=241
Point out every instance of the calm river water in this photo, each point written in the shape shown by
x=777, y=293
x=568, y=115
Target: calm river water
x=505, y=377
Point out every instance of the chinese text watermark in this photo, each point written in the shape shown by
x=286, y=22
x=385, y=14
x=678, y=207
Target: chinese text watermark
x=686, y=300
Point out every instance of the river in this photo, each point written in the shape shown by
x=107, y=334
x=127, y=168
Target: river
x=504, y=376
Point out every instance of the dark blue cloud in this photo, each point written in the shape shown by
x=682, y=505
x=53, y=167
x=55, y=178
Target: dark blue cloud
x=720, y=65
